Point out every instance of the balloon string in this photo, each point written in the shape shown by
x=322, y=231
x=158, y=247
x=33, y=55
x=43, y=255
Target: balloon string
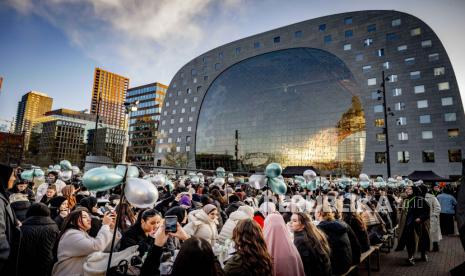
x=118, y=219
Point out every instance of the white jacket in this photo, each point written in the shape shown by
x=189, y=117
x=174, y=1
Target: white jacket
x=201, y=226
x=244, y=212
x=74, y=247
x=435, y=210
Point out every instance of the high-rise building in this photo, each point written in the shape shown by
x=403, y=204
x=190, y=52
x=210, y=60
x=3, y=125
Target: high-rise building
x=108, y=96
x=32, y=106
x=143, y=123
x=109, y=142
x=307, y=95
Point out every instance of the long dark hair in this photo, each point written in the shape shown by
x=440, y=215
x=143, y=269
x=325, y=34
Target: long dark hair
x=196, y=255
x=315, y=240
x=251, y=247
x=144, y=215
x=126, y=215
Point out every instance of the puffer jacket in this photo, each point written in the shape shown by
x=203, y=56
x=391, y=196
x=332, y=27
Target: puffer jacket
x=201, y=226
x=244, y=212
x=39, y=235
x=339, y=242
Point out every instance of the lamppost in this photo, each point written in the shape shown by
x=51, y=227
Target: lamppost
x=387, y=111
x=128, y=107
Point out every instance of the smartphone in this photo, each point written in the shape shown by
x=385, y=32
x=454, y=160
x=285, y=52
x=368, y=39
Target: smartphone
x=104, y=209
x=171, y=224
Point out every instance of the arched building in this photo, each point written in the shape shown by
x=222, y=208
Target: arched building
x=307, y=94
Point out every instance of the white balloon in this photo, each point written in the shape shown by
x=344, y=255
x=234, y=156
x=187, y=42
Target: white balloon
x=66, y=175
x=195, y=179
x=309, y=175
x=363, y=177
x=140, y=193
x=75, y=169
x=231, y=180
x=257, y=181
x=158, y=180
x=218, y=181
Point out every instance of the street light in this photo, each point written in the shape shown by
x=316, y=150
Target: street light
x=128, y=107
x=387, y=111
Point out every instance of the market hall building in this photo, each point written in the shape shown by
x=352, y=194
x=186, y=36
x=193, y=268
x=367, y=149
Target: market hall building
x=308, y=94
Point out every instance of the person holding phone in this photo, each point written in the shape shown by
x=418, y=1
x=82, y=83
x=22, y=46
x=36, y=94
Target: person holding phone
x=202, y=223
x=147, y=223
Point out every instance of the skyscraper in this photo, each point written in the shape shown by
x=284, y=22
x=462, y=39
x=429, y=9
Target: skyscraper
x=143, y=123
x=32, y=105
x=108, y=96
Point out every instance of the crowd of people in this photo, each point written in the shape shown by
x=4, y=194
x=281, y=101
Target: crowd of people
x=228, y=229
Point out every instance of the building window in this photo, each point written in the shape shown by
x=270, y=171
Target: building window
x=191, y=118
x=380, y=137
x=393, y=78
x=238, y=50
x=172, y=121
x=380, y=52
x=453, y=132
x=367, y=42
x=402, y=48
x=188, y=148
x=447, y=101
x=371, y=81
x=439, y=71
x=376, y=95
x=298, y=34
x=189, y=129
x=428, y=156
x=159, y=150
x=189, y=91
x=322, y=28
x=426, y=44
x=399, y=106
x=427, y=134
x=450, y=117
x=186, y=100
x=379, y=122
x=396, y=22
x=174, y=112
x=402, y=136
x=401, y=121
x=349, y=33
x=378, y=108
x=386, y=65
x=419, y=89
x=179, y=129
x=163, y=122
x=192, y=108
x=422, y=104
x=455, y=155
x=371, y=28
x=380, y=157
x=181, y=120
x=327, y=39
x=443, y=86
x=178, y=149
x=170, y=131
x=425, y=119
x=183, y=110
x=256, y=44
x=433, y=57
x=403, y=156
x=167, y=104
x=415, y=32
x=347, y=47
x=415, y=75
x=176, y=102
x=195, y=99
x=277, y=39
x=359, y=57
x=366, y=68
x=188, y=139
x=396, y=92
x=217, y=66
x=165, y=113
x=391, y=36
x=348, y=20
x=178, y=139
x=409, y=61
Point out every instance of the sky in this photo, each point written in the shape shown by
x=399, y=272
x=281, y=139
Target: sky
x=53, y=46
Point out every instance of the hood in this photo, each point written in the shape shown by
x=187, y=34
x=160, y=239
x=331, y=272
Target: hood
x=244, y=212
x=333, y=226
x=199, y=216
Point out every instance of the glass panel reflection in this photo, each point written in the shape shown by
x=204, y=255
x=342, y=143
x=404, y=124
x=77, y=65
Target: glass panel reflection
x=297, y=107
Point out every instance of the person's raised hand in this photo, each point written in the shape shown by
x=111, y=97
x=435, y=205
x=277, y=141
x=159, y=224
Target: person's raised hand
x=180, y=233
x=160, y=237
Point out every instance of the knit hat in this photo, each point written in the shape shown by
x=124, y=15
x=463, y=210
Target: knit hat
x=209, y=208
x=57, y=201
x=38, y=210
x=185, y=200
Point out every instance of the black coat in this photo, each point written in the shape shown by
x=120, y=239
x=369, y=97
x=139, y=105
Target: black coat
x=314, y=264
x=136, y=236
x=338, y=238
x=9, y=237
x=360, y=232
x=39, y=235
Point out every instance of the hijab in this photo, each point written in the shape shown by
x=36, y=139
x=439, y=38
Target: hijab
x=286, y=258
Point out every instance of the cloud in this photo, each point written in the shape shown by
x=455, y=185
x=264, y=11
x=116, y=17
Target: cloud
x=146, y=40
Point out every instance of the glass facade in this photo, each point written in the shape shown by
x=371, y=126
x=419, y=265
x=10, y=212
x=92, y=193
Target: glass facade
x=298, y=107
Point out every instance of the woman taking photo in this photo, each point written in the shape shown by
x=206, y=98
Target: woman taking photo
x=251, y=257
x=142, y=231
x=75, y=244
x=312, y=245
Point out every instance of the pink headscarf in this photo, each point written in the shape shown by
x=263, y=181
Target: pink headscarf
x=286, y=258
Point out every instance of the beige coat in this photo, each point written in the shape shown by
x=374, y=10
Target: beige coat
x=435, y=211
x=244, y=212
x=201, y=226
x=75, y=246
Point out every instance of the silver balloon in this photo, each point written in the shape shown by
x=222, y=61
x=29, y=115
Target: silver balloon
x=231, y=180
x=140, y=193
x=257, y=181
x=65, y=165
x=56, y=168
x=218, y=181
x=75, y=170
x=363, y=177
x=309, y=175
x=158, y=180
x=195, y=179
x=66, y=175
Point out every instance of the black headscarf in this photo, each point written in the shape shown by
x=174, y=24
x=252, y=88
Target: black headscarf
x=5, y=174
